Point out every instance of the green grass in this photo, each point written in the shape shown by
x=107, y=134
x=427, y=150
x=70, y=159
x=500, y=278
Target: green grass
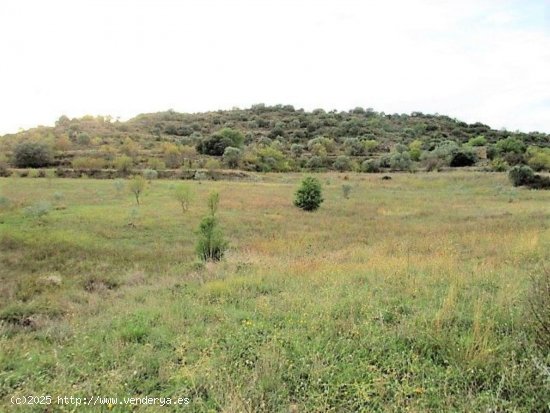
x=409, y=296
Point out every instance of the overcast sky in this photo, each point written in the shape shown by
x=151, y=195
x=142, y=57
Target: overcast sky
x=486, y=61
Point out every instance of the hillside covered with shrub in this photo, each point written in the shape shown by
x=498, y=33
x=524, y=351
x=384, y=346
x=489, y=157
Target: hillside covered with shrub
x=272, y=139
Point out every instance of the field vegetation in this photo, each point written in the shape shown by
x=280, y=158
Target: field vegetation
x=426, y=292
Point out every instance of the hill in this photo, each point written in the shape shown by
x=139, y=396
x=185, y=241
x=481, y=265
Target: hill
x=279, y=138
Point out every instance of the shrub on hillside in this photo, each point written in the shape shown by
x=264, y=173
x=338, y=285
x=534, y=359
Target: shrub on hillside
x=342, y=163
x=370, y=166
x=499, y=165
x=521, y=175
x=477, y=141
x=315, y=162
x=538, y=158
x=83, y=162
x=296, y=149
x=270, y=159
x=309, y=196
x=32, y=155
x=510, y=144
x=232, y=156
x=400, y=161
x=215, y=145
x=156, y=164
x=150, y=174
x=123, y=163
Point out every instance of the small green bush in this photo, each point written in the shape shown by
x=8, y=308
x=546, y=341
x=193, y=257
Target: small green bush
x=342, y=163
x=520, y=175
x=370, y=166
x=400, y=161
x=211, y=245
x=309, y=196
x=232, y=156
x=123, y=163
x=499, y=165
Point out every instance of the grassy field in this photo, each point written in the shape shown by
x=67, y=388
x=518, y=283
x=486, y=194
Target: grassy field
x=408, y=296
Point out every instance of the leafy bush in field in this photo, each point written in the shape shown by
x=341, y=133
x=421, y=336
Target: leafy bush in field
x=183, y=195
x=150, y=174
x=232, y=156
x=211, y=244
x=521, y=175
x=499, y=165
x=137, y=186
x=370, y=166
x=309, y=196
x=38, y=210
x=32, y=155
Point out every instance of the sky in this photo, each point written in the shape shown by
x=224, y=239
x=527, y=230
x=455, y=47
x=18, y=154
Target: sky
x=475, y=60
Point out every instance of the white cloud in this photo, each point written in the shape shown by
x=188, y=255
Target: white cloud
x=482, y=61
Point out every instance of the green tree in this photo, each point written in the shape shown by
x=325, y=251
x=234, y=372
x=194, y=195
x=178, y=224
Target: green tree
x=309, y=196
x=32, y=155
